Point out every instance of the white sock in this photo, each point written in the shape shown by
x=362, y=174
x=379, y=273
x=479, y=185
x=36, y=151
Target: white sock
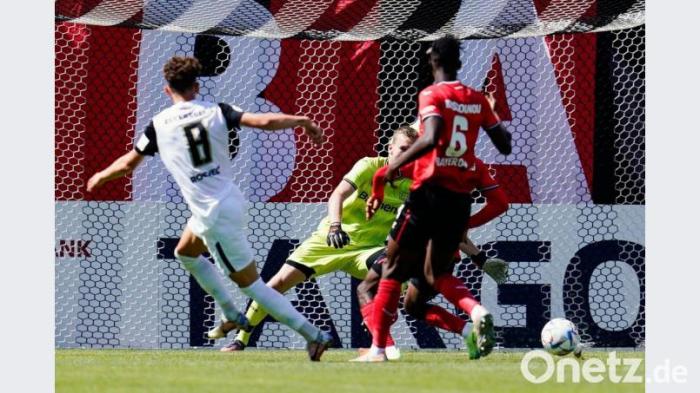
x=374, y=350
x=210, y=280
x=465, y=331
x=281, y=309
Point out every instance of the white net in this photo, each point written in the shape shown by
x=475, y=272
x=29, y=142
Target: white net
x=574, y=101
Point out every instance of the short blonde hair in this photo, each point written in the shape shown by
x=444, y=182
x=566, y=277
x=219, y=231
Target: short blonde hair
x=407, y=131
x=415, y=125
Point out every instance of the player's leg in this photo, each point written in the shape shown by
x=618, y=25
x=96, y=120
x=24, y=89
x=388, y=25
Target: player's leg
x=366, y=291
x=481, y=339
x=386, y=301
x=445, y=237
x=287, y=277
x=416, y=304
x=281, y=309
x=405, y=251
x=313, y=258
x=188, y=251
x=439, y=275
x=227, y=243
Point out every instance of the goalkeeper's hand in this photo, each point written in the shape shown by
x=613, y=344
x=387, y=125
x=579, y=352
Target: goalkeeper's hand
x=497, y=269
x=336, y=236
x=373, y=204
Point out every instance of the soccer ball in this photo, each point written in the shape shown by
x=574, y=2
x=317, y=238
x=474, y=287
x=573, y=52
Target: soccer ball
x=560, y=337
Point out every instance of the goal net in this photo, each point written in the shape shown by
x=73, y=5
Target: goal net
x=569, y=80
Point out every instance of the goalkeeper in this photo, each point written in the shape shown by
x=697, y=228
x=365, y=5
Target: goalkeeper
x=344, y=240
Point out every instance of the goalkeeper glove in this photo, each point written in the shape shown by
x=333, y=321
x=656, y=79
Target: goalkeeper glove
x=497, y=269
x=336, y=236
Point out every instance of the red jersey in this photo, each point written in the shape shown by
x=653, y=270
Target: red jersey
x=452, y=163
x=479, y=178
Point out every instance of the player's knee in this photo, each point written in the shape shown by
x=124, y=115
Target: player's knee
x=364, y=292
x=185, y=251
x=394, y=272
x=187, y=261
x=286, y=278
x=361, y=289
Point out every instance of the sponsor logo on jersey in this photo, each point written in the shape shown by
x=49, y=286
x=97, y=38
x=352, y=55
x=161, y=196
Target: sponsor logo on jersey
x=203, y=175
x=185, y=115
x=453, y=161
x=385, y=206
x=463, y=108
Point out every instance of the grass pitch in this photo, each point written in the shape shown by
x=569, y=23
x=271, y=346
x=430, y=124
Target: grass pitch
x=289, y=371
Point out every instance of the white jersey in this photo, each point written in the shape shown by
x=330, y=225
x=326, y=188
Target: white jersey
x=192, y=138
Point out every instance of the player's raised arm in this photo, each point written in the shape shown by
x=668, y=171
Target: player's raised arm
x=120, y=167
x=280, y=121
x=379, y=179
x=496, y=204
x=498, y=133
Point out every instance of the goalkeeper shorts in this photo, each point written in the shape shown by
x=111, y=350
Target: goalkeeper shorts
x=315, y=258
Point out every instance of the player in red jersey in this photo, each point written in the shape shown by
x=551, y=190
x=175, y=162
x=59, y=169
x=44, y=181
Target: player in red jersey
x=427, y=232
x=419, y=293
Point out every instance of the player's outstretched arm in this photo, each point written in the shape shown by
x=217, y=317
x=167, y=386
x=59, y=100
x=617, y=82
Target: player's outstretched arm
x=280, y=121
x=468, y=247
x=375, y=200
x=335, y=202
x=496, y=268
x=120, y=167
x=496, y=204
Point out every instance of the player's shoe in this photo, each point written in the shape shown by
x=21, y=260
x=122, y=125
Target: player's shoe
x=367, y=357
x=225, y=326
x=497, y=269
x=481, y=339
x=316, y=347
x=392, y=352
x=235, y=346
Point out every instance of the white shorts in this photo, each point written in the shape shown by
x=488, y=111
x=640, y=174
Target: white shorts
x=226, y=238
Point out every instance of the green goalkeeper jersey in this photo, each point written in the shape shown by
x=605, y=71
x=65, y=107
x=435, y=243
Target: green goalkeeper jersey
x=364, y=233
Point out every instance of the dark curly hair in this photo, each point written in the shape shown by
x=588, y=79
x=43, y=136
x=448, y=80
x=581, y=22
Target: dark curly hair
x=445, y=51
x=181, y=72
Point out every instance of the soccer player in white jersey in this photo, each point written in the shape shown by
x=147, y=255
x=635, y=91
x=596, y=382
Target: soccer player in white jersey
x=192, y=138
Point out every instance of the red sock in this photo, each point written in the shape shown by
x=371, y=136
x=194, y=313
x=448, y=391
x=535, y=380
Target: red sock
x=386, y=302
x=456, y=292
x=439, y=317
x=367, y=310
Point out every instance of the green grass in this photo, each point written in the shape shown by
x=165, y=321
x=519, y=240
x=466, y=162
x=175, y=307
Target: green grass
x=289, y=371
